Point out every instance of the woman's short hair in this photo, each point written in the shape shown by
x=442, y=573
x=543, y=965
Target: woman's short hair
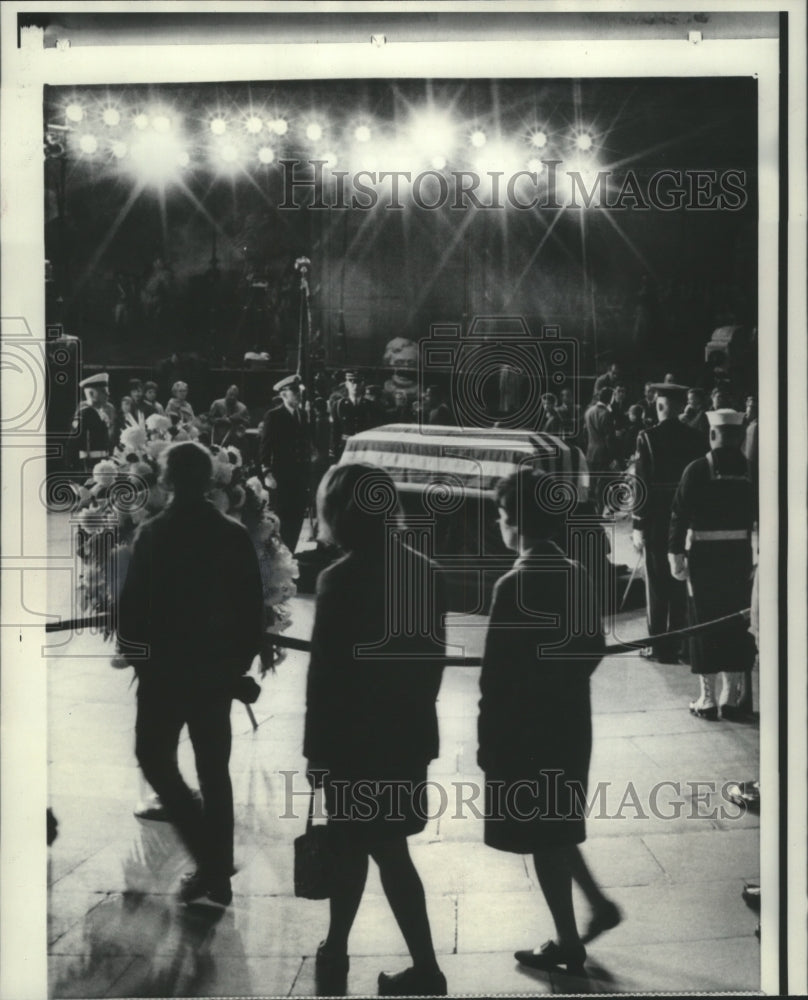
x=526, y=496
x=187, y=468
x=356, y=505
x=177, y=386
x=148, y=386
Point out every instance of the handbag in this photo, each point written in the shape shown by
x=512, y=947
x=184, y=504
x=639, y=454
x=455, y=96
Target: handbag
x=313, y=860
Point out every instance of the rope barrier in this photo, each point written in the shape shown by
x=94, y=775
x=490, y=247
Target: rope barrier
x=304, y=645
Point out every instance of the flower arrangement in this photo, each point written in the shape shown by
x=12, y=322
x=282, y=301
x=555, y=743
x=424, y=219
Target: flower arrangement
x=126, y=490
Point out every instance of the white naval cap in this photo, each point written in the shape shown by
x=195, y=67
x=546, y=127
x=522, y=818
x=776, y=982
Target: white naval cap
x=725, y=418
x=94, y=381
x=290, y=382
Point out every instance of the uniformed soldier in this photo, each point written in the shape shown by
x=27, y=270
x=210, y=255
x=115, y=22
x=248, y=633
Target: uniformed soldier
x=663, y=453
x=94, y=421
x=713, y=511
x=285, y=453
x=350, y=415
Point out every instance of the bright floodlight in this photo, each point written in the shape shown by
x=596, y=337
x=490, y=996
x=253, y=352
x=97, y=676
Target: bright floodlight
x=266, y=154
x=362, y=133
x=111, y=116
x=141, y=121
x=88, y=144
x=538, y=139
x=279, y=126
x=254, y=124
x=314, y=131
x=162, y=123
x=229, y=154
x=156, y=157
x=119, y=150
x=218, y=126
x=478, y=139
x=439, y=162
x=432, y=133
x=584, y=141
x=74, y=112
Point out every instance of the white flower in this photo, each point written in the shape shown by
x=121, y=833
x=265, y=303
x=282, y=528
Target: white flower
x=222, y=473
x=155, y=448
x=104, y=473
x=158, y=423
x=233, y=455
x=133, y=439
x=220, y=500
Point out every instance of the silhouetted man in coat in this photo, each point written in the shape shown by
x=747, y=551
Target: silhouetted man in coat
x=193, y=600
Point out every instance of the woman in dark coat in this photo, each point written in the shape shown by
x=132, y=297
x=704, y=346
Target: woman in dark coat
x=534, y=728
x=378, y=644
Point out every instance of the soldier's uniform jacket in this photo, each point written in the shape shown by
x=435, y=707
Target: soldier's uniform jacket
x=349, y=418
x=663, y=453
x=286, y=444
x=715, y=502
x=94, y=428
x=712, y=516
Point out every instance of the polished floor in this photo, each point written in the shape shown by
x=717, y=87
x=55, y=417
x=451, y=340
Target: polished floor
x=672, y=853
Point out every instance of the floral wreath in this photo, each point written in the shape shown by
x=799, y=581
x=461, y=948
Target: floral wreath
x=126, y=489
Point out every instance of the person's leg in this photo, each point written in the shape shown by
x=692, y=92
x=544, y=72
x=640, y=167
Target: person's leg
x=211, y=738
x=348, y=883
x=605, y=913
x=405, y=894
x=159, y=721
x=579, y=870
x=555, y=878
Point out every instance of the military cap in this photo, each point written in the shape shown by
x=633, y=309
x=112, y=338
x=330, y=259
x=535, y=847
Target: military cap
x=101, y=380
x=290, y=382
x=725, y=418
x=670, y=389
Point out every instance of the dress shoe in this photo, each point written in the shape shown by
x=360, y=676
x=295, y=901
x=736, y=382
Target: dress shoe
x=603, y=919
x=751, y=896
x=551, y=955
x=199, y=889
x=703, y=709
x=330, y=973
x=413, y=983
x=735, y=713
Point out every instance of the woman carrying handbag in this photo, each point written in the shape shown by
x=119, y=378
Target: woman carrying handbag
x=371, y=729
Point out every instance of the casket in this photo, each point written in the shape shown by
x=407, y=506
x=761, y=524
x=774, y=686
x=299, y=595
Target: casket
x=446, y=479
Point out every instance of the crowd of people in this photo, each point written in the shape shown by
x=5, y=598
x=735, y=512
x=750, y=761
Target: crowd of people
x=371, y=725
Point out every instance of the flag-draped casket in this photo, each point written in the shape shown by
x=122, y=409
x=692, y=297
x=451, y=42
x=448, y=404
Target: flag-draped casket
x=446, y=477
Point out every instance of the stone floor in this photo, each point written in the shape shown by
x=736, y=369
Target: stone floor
x=673, y=854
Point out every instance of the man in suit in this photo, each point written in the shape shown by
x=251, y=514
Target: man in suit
x=193, y=600
x=285, y=453
x=663, y=453
x=601, y=448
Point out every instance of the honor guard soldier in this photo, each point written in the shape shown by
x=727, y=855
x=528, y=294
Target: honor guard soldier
x=94, y=422
x=712, y=513
x=663, y=453
x=351, y=414
x=285, y=453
